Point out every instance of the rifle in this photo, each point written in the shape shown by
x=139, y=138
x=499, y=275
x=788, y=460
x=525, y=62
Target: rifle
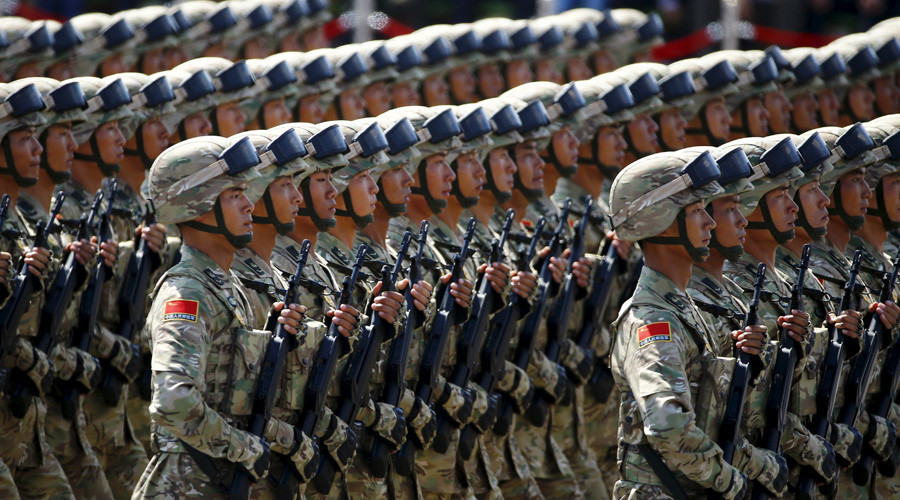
x=4, y=214
x=558, y=321
x=321, y=374
x=270, y=374
x=890, y=377
x=831, y=378
x=785, y=361
x=132, y=304
x=24, y=285
x=528, y=335
x=354, y=387
x=448, y=314
x=89, y=307
x=496, y=346
x=468, y=350
x=730, y=428
x=395, y=364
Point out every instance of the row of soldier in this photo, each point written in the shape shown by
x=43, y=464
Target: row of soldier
x=623, y=99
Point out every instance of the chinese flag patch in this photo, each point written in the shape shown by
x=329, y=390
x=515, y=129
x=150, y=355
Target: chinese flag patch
x=654, y=332
x=184, y=310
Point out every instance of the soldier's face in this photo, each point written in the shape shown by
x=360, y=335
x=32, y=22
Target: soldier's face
x=275, y=113
x=439, y=177
x=530, y=164
x=855, y=193
x=377, y=98
x=462, y=84
x=757, y=117
x=290, y=43
x=61, y=145
x=490, y=80
x=611, y=146
x=197, y=125
x=218, y=49
x=805, y=108
x=28, y=70
x=779, y=108
x=717, y=118
x=698, y=224
x=362, y=191
x=565, y=147
x=155, y=136
x=891, y=186
x=61, y=71
x=285, y=200
x=577, y=69
x=353, y=107
x=153, y=62
x=604, y=62
x=396, y=184
x=781, y=207
x=175, y=56
x=322, y=194
x=503, y=169
x=110, y=142
x=404, y=94
x=546, y=71
x=815, y=204
x=862, y=102
x=112, y=65
x=518, y=72
x=470, y=175
x=310, y=109
x=255, y=48
x=314, y=39
x=230, y=119
x=730, y=223
x=828, y=107
x=672, y=125
x=887, y=95
x=436, y=91
x=236, y=210
x=26, y=152
x=643, y=133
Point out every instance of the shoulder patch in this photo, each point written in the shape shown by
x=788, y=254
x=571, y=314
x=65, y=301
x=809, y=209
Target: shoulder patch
x=654, y=332
x=213, y=276
x=182, y=310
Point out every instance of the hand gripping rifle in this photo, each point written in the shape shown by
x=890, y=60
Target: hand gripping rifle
x=89, y=308
x=448, y=314
x=558, y=321
x=321, y=375
x=496, y=347
x=24, y=285
x=468, y=351
x=132, y=303
x=785, y=361
x=395, y=364
x=887, y=390
x=831, y=379
x=354, y=385
x=730, y=428
x=270, y=375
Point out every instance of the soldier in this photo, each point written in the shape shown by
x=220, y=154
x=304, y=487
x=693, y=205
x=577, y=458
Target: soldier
x=641, y=131
x=195, y=97
x=834, y=73
x=438, y=55
x=257, y=39
x=856, y=101
x=495, y=47
x=641, y=32
x=27, y=458
x=406, y=90
x=65, y=39
x=158, y=30
x=756, y=79
x=316, y=88
x=234, y=83
x=551, y=50
x=582, y=41
x=108, y=47
x=517, y=70
x=709, y=120
x=776, y=101
x=352, y=71
x=383, y=70
x=801, y=89
x=214, y=28
x=29, y=51
x=268, y=108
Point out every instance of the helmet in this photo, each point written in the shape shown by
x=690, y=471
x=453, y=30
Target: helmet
x=756, y=76
x=607, y=104
x=275, y=79
x=210, y=23
x=108, y=100
x=710, y=80
x=151, y=97
x=315, y=75
x=20, y=108
x=233, y=80
x=368, y=153
x=884, y=133
x=185, y=180
x=255, y=20
x=104, y=36
x=402, y=151
x=805, y=72
x=26, y=42
x=156, y=28
x=641, y=32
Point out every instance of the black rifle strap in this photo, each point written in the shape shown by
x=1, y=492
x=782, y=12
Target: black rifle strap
x=662, y=472
x=208, y=466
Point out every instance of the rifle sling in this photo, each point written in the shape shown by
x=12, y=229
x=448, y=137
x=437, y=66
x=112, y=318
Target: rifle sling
x=661, y=471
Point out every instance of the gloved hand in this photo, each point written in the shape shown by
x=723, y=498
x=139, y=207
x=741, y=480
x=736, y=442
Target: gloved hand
x=125, y=358
x=457, y=403
x=488, y=417
x=341, y=439
x=516, y=384
x=819, y=455
x=252, y=455
x=578, y=362
x=847, y=443
x=87, y=371
x=38, y=369
x=761, y=465
x=881, y=437
x=304, y=455
x=423, y=423
x=737, y=488
x=387, y=421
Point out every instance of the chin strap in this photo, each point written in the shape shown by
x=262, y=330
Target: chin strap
x=879, y=211
x=744, y=127
x=465, y=201
x=631, y=147
x=56, y=176
x=698, y=254
x=393, y=209
x=854, y=222
x=816, y=233
x=237, y=241
x=270, y=218
x=360, y=220
x=310, y=211
x=10, y=168
x=437, y=206
x=108, y=169
x=501, y=196
x=140, y=151
x=552, y=158
x=608, y=171
x=781, y=237
x=704, y=130
x=732, y=253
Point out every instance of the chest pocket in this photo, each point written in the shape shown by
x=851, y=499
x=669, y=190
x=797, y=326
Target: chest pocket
x=711, y=392
x=297, y=367
x=233, y=368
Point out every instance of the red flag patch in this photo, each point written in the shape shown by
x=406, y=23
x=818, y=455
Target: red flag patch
x=184, y=310
x=654, y=332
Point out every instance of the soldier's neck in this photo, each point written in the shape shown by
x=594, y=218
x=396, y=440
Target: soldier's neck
x=417, y=209
x=713, y=264
x=551, y=178
x=42, y=191
x=451, y=214
x=215, y=246
x=263, y=240
x=344, y=230
x=132, y=172
x=8, y=186
x=378, y=229
x=673, y=265
x=518, y=202
x=304, y=229
x=838, y=233
x=761, y=246
x=87, y=175
x=873, y=232
x=589, y=178
x=795, y=246
x=485, y=208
